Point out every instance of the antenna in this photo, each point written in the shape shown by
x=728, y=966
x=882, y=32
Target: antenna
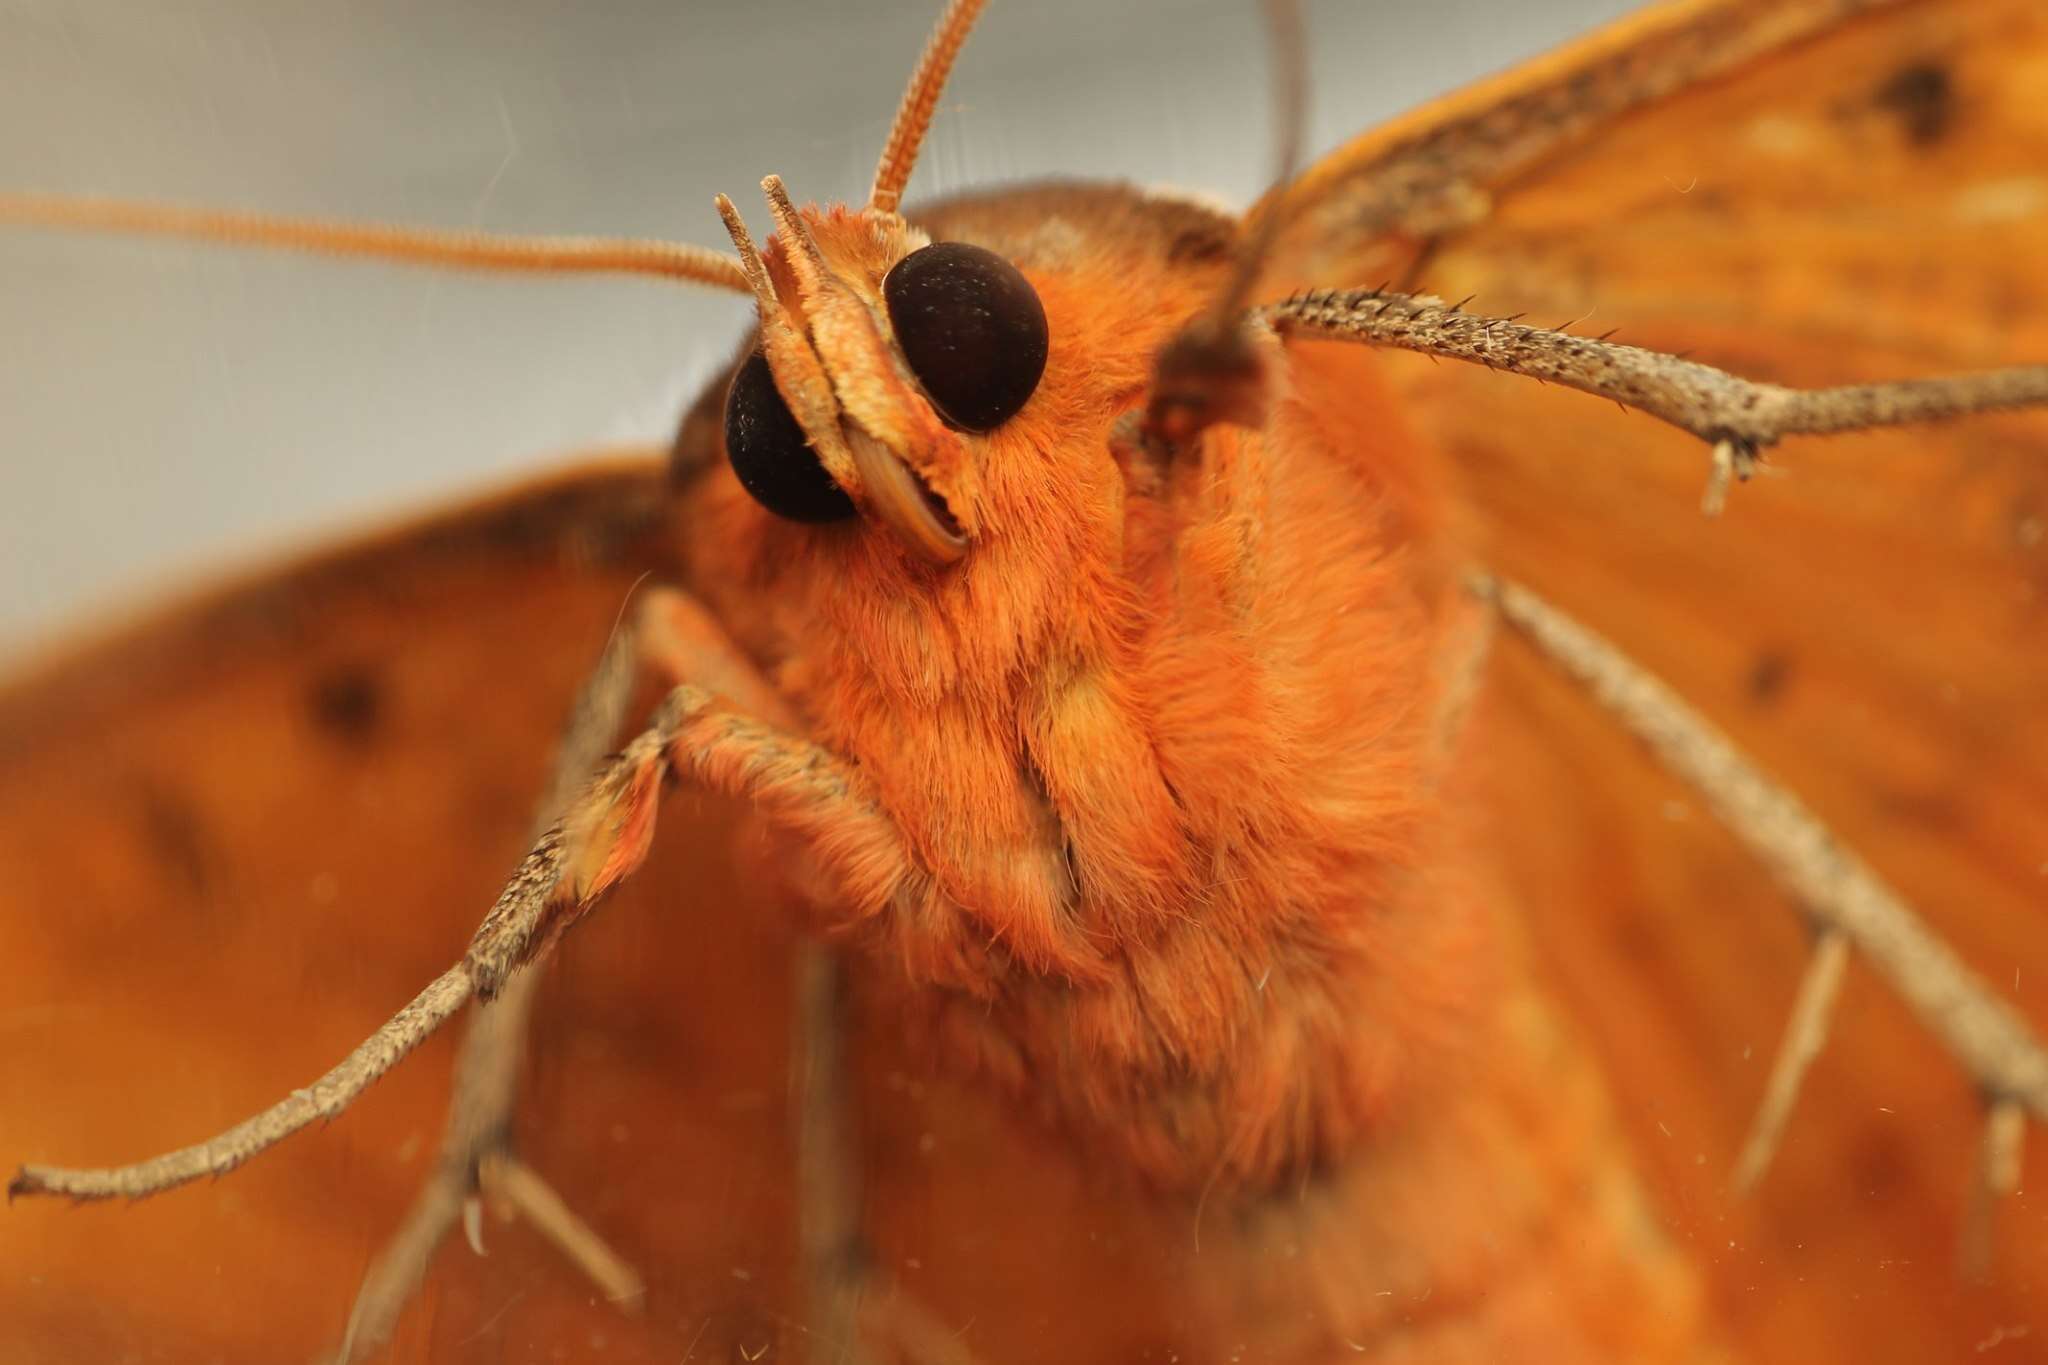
x=920, y=102
x=382, y=241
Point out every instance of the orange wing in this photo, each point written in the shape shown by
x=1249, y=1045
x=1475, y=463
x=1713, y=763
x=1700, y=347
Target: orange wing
x=236, y=837
x=1872, y=623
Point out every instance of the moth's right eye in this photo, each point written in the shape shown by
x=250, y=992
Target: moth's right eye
x=971, y=328
x=771, y=455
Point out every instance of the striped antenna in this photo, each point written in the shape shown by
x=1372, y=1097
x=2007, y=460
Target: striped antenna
x=383, y=242
x=920, y=101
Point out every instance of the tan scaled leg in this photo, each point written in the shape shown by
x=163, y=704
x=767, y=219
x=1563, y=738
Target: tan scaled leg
x=1846, y=901
x=475, y=1148
x=1737, y=417
x=673, y=638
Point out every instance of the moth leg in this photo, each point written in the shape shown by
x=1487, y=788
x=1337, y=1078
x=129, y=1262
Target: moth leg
x=1848, y=904
x=830, y=1238
x=689, y=643
x=674, y=639
x=1737, y=417
x=475, y=1146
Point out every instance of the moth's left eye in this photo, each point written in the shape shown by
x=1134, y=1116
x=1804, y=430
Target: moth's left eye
x=971, y=327
x=770, y=453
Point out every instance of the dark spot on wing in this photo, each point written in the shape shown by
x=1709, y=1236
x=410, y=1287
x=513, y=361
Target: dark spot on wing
x=1878, y=1162
x=1921, y=95
x=1768, y=674
x=1936, y=811
x=347, y=703
x=176, y=838
x=1636, y=941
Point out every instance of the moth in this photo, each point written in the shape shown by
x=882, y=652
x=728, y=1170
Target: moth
x=1852, y=207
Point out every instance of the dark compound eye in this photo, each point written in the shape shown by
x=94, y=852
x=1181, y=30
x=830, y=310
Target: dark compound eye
x=972, y=329
x=770, y=453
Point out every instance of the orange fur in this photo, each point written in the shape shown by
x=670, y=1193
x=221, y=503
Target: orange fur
x=1193, y=872
x=1160, y=748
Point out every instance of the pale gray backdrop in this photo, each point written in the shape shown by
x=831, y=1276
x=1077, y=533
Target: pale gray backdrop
x=167, y=411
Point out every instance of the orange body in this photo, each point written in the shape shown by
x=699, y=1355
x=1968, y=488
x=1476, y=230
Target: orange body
x=1197, y=877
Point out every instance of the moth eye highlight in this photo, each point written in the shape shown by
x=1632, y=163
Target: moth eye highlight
x=972, y=329
x=770, y=453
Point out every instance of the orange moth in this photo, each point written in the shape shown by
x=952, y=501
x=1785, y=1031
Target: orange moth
x=1096, y=1131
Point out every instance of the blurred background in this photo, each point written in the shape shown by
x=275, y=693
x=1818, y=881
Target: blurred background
x=170, y=411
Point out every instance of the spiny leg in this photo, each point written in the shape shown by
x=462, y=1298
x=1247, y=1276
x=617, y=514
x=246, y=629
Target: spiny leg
x=1739, y=418
x=486, y=1086
x=479, y=1124
x=675, y=639
x=1997, y=1175
x=1846, y=900
x=832, y=1243
x=1806, y=1032
x=1850, y=907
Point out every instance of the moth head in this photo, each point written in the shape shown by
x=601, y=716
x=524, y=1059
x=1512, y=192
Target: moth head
x=885, y=361
x=920, y=443
x=921, y=436
x=881, y=357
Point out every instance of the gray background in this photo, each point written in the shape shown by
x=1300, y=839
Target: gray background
x=170, y=411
